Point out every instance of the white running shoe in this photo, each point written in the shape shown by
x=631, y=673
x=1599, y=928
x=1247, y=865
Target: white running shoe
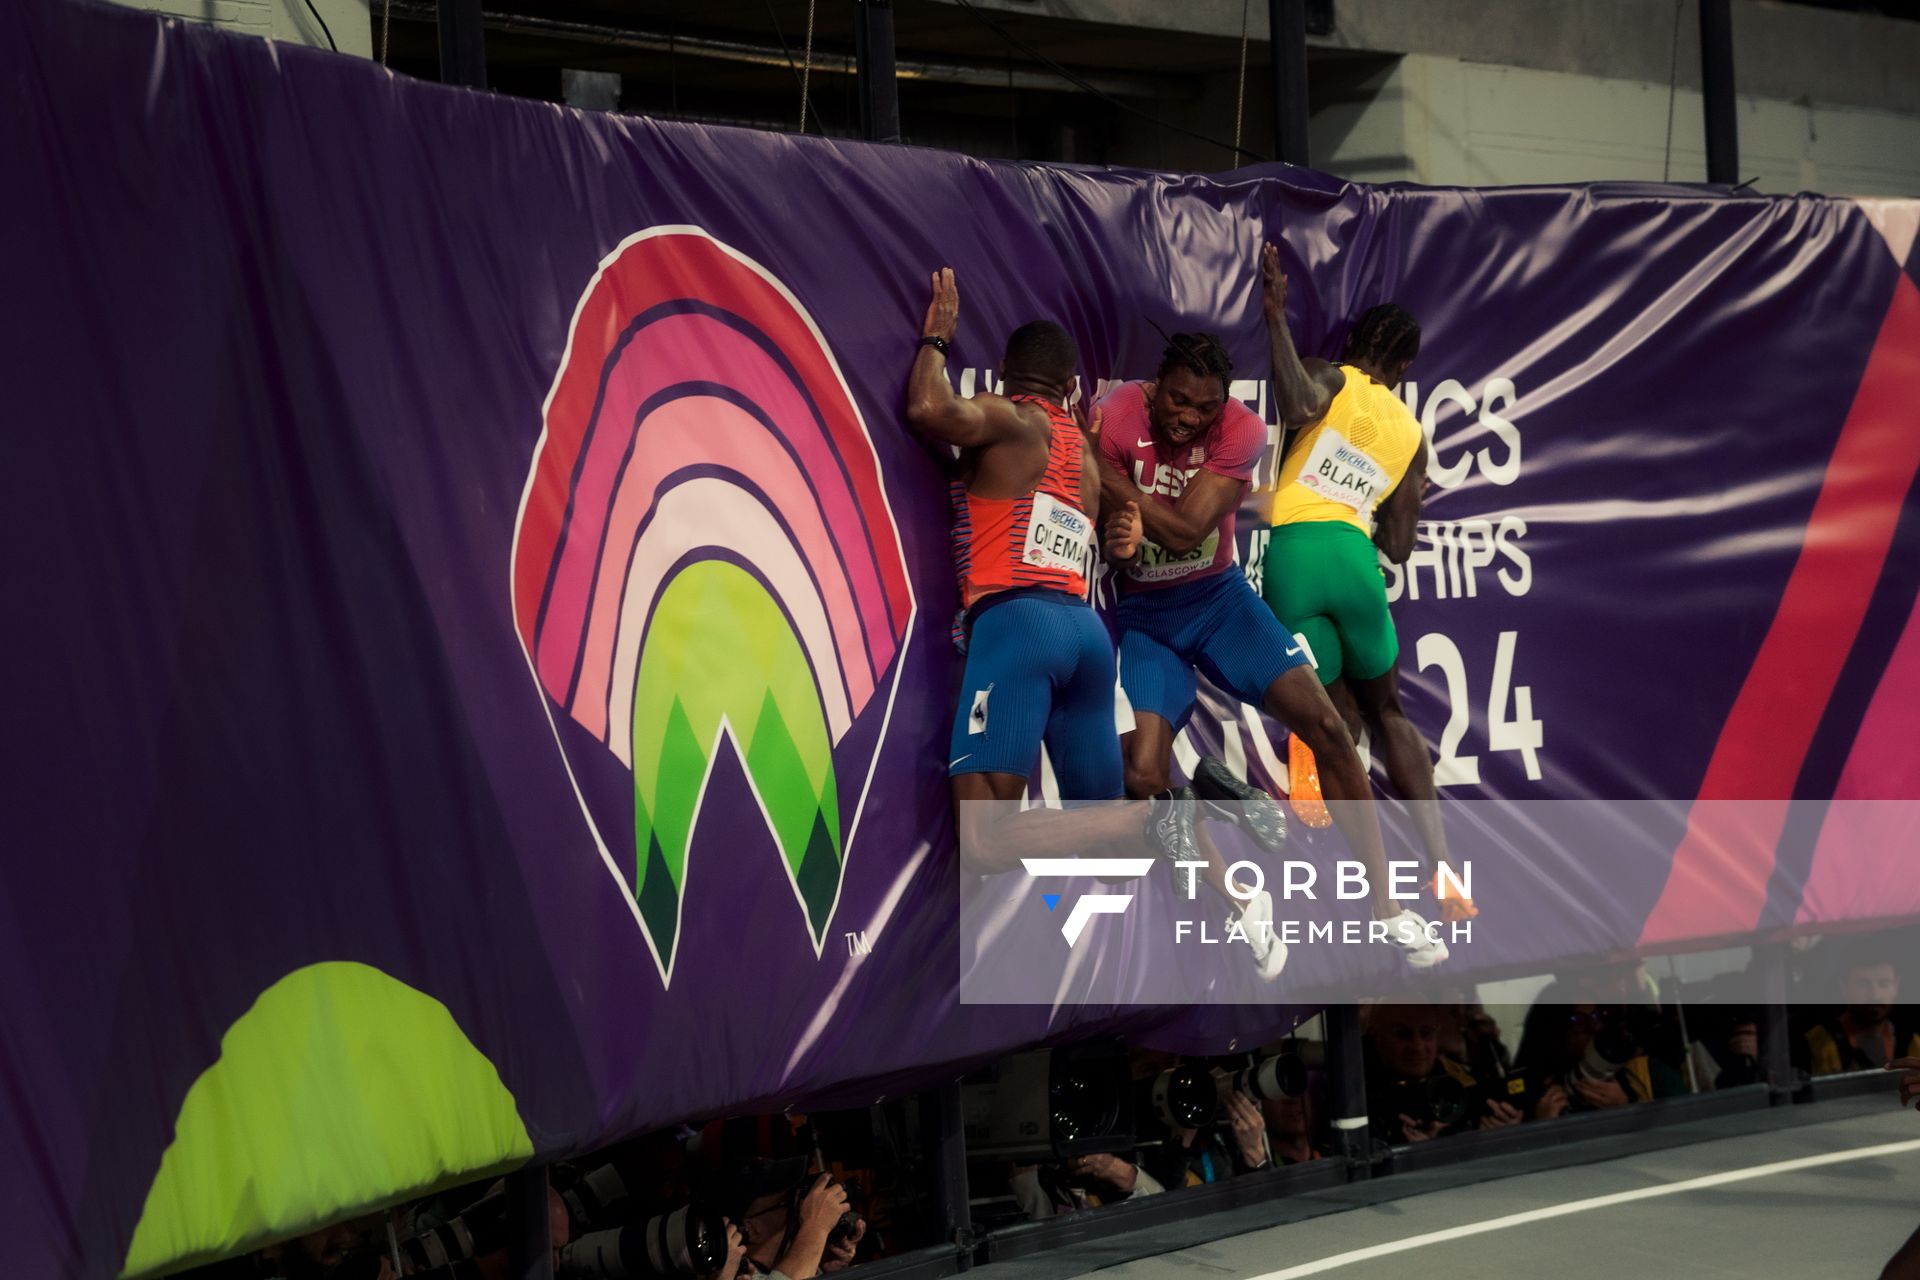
x=1256, y=917
x=1407, y=934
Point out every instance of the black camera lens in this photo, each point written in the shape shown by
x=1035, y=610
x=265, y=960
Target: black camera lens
x=691, y=1240
x=1082, y=1105
x=1611, y=1048
x=844, y=1229
x=1186, y=1096
x=1446, y=1100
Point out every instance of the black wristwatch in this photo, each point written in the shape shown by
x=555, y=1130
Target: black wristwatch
x=936, y=342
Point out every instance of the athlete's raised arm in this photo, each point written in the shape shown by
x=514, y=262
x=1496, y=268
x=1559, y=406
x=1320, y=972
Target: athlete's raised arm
x=932, y=408
x=1302, y=389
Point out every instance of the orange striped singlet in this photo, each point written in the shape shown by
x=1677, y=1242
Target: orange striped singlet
x=1041, y=540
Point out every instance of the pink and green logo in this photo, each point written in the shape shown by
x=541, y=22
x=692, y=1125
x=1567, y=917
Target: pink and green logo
x=705, y=554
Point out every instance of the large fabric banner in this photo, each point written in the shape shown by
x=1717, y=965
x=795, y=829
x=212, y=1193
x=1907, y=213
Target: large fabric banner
x=479, y=623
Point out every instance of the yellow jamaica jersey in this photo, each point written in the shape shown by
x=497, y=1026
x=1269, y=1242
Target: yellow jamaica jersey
x=1345, y=465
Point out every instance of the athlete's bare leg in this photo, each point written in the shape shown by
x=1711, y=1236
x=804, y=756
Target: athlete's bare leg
x=1296, y=700
x=1147, y=755
x=995, y=836
x=1409, y=762
x=1343, y=702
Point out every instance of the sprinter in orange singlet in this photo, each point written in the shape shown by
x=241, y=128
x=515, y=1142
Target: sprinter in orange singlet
x=1039, y=662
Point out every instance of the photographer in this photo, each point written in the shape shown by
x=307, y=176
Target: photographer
x=1414, y=1092
x=1290, y=1126
x=1237, y=1143
x=1725, y=1051
x=1866, y=1033
x=795, y=1224
x=1587, y=1056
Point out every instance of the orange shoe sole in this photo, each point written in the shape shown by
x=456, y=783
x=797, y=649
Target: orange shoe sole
x=1303, y=785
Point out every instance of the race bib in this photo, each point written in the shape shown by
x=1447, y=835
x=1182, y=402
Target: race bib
x=1057, y=536
x=1157, y=564
x=1338, y=470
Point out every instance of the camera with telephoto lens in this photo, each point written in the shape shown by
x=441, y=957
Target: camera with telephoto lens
x=688, y=1241
x=1053, y=1104
x=481, y=1228
x=593, y=1195
x=1281, y=1075
x=1186, y=1097
x=1614, y=1045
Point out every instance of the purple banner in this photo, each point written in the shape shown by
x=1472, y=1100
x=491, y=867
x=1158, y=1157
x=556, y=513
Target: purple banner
x=480, y=623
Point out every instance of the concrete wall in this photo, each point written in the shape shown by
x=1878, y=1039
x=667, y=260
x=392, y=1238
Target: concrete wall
x=1516, y=91
x=1784, y=51
x=290, y=20
x=1443, y=120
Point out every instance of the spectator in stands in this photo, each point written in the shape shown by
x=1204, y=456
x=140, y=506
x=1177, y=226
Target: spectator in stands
x=1414, y=1092
x=1865, y=1034
x=1290, y=1135
x=787, y=1218
x=1194, y=1157
x=1583, y=1056
x=1726, y=1053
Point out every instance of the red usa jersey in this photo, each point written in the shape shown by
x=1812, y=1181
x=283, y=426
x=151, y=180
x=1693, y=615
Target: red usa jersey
x=1231, y=447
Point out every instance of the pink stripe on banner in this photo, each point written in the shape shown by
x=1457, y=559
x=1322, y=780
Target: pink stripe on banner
x=705, y=429
x=1860, y=867
x=688, y=348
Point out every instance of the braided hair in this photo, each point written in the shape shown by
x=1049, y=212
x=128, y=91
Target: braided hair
x=1202, y=353
x=1386, y=337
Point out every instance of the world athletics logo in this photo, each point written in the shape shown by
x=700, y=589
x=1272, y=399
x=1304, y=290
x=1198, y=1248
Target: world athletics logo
x=704, y=554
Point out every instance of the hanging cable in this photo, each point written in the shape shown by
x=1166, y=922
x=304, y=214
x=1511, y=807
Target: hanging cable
x=1083, y=86
x=386, y=25
x=323, y=26
x=786, y=51
x=1673, y=80
x=1240, y=97
x=806, y=70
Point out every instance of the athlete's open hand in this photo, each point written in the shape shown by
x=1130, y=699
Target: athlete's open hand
x=943, y=313
x=1273, y=282
x=1123, y=534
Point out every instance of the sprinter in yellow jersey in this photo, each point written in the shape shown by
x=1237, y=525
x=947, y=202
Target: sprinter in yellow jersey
x=1351, y=481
